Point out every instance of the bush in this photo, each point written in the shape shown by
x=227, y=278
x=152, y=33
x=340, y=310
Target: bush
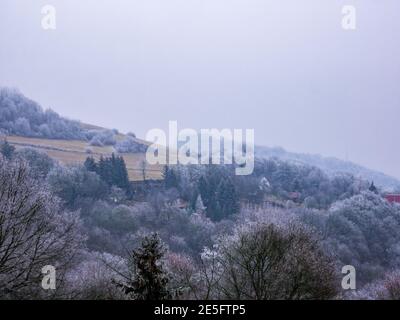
x=105, y=137
x=96, y=141
x=129, y=145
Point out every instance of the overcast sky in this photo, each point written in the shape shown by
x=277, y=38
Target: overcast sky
x=285, y=68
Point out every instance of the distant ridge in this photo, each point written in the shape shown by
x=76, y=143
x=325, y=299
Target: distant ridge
x=25, y=124
x=331, y=166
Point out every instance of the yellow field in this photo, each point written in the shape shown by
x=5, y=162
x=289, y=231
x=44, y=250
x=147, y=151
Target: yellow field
x=75, y=152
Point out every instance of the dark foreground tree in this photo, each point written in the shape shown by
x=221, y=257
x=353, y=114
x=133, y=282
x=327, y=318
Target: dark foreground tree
x=149, y=280
x=34, y=232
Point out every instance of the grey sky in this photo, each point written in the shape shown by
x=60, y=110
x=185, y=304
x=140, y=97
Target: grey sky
x=285, y=68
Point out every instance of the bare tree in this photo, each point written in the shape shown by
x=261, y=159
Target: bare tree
x=34, y=232
x=266, y=261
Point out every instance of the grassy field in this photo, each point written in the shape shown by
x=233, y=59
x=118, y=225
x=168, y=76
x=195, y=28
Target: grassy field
x=75, y=152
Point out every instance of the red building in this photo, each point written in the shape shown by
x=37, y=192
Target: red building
x=393, y=197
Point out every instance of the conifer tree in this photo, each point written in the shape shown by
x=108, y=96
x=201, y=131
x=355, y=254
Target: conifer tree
x=90, y=164
x=226, y=199
x=170, y=178
x=372, y=188
x=112, y=171
x=149, y=280
x=122, y=176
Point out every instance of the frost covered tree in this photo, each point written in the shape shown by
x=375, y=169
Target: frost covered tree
x=74, y=183
x=34, y=232
x=22, y=116
x=39, y=162
x=387, y=288
x=130, y=145
x=363, y=231
x=96, y=141
x=94, y=275
x=267, y=261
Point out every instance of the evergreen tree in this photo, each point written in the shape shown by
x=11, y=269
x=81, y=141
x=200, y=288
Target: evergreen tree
x=112, y=171
x=227, y=200
x=104, y=170
x=113, y=165
x=170, y=178
x=6, y=149
x=218, y=193
x=372, y=188
x=122, y=176
x=207, y=194
x=202, y=186
x=91, y=165
x=149, y=279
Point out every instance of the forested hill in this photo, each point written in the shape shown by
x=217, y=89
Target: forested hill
x=25, y=124
x=22, y=117
x=331, y=166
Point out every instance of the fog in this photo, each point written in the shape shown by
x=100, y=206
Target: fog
x=286, y=69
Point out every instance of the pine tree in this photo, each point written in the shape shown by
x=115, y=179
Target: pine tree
x=372, y=188
x=122, y=176
x=170, y=178
x=214, y=188
x=205, y=191
x=232, y=205
x=112, y=171
x=90, y=164
x=104, y=170
x=149, y=280
x=227, y=199
x=113, y=165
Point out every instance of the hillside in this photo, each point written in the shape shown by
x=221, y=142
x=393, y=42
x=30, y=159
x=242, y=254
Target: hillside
x=331, y=166
x=75, y=152
x=24, y=123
